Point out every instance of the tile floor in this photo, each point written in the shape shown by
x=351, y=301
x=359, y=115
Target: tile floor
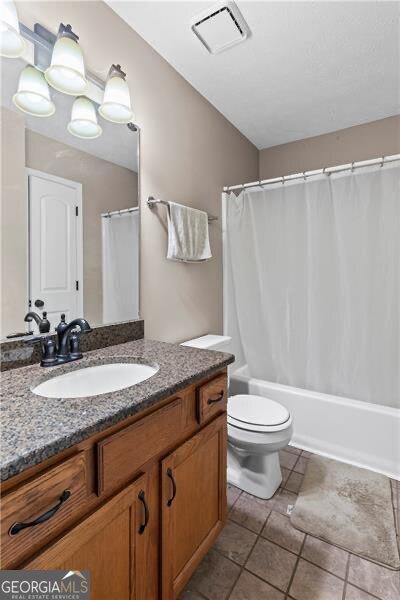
x=260, y=556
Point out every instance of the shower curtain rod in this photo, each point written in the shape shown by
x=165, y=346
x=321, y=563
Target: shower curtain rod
x=305, y=174
x=113, y=213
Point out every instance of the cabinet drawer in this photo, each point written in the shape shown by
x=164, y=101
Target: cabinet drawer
x=122, y=454
x=41, y=508
x=211, y=398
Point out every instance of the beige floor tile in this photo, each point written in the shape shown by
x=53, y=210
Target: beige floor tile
x=250, y=587
x=293, y=449
x=272, y=563
x=312, y=583
x=293, y=484
x=251, y=512
x=301, y=464
x=233, y=494
x=287, y=459
x=235, y=542
x=353, y=593
x=283, y=500
x=215, y=577
x=325, y=555
x=278, y=529
x=189, y=595
x=285, y=475
x=374, y=579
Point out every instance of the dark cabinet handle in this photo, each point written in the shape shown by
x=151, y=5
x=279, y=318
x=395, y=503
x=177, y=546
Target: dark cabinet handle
x=216, y=399
x=17, y=527
x=39, y=303
x=142, y=499
x=169, y=474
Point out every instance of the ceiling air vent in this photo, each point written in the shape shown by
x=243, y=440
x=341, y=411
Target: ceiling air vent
x=220, y=27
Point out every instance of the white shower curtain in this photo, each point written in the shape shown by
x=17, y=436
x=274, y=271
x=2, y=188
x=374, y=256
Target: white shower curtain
x=313, y=280
x=120, y=267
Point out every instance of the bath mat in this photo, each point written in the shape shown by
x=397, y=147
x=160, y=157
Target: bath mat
x=350, y=508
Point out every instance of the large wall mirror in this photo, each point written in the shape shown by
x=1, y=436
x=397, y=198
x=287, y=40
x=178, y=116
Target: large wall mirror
x=69, y=214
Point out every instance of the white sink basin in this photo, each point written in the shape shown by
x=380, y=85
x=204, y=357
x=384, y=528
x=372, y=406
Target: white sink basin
x=92, y=381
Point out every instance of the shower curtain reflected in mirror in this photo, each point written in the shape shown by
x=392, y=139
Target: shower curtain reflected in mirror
x=312, y=282
x=120, y=267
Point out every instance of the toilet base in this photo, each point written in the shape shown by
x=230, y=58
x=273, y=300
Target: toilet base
x=256, y=474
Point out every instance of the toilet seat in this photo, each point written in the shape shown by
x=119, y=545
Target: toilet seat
x=257, y=413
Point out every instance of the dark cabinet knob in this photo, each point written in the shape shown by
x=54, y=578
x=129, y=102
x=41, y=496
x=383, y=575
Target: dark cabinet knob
x=39, y=303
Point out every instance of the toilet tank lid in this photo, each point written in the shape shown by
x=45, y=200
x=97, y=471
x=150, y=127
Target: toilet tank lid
x=209, y=342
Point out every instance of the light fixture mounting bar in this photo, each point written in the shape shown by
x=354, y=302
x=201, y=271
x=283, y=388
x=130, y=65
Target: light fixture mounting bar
x=43, y=41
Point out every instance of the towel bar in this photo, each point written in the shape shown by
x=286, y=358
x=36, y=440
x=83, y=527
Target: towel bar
x=151, y=202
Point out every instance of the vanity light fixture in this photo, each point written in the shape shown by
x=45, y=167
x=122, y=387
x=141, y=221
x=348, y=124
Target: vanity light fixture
x=33, y=94
x=83, y=122
x=116, y=106
x=66, y=72
x=12, y=44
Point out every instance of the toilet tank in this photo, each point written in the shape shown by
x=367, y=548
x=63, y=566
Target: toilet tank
x=223, y=343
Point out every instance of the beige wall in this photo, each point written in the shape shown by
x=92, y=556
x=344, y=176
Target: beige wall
x=105, y=187
x=189, y=151
x=14, y=224
x=361, y=142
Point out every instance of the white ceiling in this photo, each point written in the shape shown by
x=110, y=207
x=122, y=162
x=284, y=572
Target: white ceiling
x=117, y=144
x=307, y=69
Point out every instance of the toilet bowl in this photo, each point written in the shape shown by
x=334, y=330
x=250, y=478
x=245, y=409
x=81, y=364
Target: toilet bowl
x=258, y=428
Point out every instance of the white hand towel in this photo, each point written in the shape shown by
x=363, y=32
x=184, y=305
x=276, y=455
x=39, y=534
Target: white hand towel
x=188, y=239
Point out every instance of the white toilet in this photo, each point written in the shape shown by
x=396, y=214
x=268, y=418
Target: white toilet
x=258, y=428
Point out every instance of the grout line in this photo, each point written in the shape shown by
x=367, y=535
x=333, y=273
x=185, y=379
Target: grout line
x=242, y=566
x=365, y=591
x=355, y=584
x=295, y=566
x=298, y=555
x=264, y=581
x=346, y=574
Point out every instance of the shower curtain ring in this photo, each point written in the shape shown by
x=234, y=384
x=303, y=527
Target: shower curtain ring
x=352, y=166
x=304, y=176
x=382, y=161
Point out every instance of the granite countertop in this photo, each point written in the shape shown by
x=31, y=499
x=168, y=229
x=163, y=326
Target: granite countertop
x=34, y=428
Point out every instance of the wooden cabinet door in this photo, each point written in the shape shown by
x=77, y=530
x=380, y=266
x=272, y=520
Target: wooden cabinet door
x=193, y=504
x=108, y=543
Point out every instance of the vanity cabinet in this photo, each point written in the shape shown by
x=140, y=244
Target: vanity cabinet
x=147, y=499
x=108, y=543
x=193, y=504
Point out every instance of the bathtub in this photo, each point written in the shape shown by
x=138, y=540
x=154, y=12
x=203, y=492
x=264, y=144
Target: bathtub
x=359, y=433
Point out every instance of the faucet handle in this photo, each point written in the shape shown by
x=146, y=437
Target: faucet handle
x=49, y=349
x=74, y=341
x=62, y=325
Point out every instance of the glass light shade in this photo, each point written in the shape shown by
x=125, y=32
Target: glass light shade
x=12, y=44
x=66, y=72
x=116, y=106
x=33, y=95
x=83, y=122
